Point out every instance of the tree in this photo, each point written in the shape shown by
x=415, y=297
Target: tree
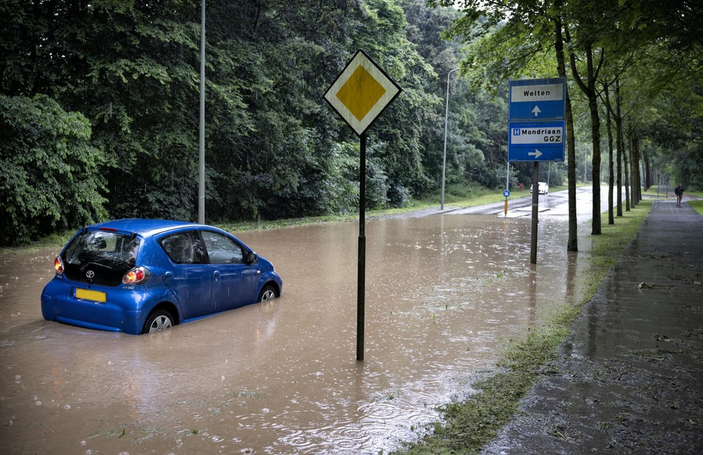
x=588, y=23
x=609, y=132
x=51, y=177
x=572, y=242
x=509, y=40
x=274, y=149
x=399, y=129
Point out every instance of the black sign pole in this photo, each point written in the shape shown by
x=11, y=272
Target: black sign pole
x=361, y=246
x=534, y=217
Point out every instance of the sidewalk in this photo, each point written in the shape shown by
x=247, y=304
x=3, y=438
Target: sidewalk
x=629, y=379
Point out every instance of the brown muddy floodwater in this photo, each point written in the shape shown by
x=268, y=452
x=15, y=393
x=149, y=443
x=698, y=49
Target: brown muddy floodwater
x=443, y=296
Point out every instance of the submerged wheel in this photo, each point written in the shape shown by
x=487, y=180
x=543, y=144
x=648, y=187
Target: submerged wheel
x=268, y=293
x=157, y=321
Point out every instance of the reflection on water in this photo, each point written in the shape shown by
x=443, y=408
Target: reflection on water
x=443, y=294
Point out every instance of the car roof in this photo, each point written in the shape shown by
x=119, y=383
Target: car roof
x=145, y=227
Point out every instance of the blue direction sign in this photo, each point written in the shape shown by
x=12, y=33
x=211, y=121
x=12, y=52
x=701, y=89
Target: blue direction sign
x=536, y=141
x=536, y=99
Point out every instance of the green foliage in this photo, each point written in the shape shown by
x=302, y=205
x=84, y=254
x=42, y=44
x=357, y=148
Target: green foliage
x=51, y=177
x=289, y=161
x=674, y=132
x=398, y=132
x=274, y=149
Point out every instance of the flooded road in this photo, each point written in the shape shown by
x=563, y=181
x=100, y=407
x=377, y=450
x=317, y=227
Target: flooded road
x=443, y=295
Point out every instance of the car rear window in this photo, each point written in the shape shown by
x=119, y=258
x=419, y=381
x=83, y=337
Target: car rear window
x=100, y=257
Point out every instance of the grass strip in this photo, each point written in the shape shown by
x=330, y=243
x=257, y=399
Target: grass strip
x=469, y=425
x=697, y=205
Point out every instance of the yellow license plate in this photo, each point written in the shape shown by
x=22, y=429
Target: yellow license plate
x=95, y=296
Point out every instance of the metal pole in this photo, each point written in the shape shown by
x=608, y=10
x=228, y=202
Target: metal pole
x=508, y=170
x=534, y=218
x=201, y=161
x=444, y=150
x=508, y=164
x=361, y=247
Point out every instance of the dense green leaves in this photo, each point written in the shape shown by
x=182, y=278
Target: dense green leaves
x=130, y=70
x=50, y=174
x=274, y=148
x=654, y=49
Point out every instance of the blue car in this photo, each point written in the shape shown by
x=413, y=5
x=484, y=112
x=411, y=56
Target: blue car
x=141, y=276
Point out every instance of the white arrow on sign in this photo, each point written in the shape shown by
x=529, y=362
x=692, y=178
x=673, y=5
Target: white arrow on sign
x=536, y=110
x=537, y=154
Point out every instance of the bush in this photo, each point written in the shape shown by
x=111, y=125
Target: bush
x=51, y=178
x=398, y=196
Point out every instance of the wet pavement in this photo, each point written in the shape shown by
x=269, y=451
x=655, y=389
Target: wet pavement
x=630, y=378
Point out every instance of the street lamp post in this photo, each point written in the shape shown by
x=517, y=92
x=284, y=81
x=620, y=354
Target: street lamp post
x=201, y=151
x=444, y=150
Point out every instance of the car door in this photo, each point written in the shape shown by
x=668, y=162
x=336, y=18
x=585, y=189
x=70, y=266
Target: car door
x=187, y=272
x=234, y=281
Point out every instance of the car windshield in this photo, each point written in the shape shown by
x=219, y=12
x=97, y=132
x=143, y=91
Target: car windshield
x=100, y=257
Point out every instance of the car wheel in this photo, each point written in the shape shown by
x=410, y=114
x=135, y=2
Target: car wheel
x=157, y=321
x=268, y=293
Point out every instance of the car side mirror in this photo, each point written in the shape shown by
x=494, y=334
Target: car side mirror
x=251, y=258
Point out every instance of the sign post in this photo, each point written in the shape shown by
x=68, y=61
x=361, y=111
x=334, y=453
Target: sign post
x=536, y=125
x=360, y=94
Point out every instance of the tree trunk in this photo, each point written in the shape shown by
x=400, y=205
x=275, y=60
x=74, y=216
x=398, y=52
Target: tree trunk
x=627, y=180
x=635, y=186
x=635, y=166
x=596, y=165
x=611, y=156
x=589, y=90
x=572, y=244
x=619, y=152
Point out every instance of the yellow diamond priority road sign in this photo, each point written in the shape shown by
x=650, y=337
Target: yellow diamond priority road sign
x=361, y=92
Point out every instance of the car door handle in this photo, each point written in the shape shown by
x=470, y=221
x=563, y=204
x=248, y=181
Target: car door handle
x=216, y=273
x=168, y=274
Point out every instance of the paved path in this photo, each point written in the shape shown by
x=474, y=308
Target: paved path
x=629, y=380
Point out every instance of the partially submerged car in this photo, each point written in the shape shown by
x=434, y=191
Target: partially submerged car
x=140, y=276
x=542, y=188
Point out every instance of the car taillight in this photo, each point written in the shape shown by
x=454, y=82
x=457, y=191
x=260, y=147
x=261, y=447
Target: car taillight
x=59, y=265
x=137, y=275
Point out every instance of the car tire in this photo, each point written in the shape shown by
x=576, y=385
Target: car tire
x=268, y=293
x=157, y=321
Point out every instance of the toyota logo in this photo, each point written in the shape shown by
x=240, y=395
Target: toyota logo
x=90, y=274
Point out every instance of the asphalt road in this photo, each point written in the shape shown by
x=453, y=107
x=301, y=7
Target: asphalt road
x=554, y=204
